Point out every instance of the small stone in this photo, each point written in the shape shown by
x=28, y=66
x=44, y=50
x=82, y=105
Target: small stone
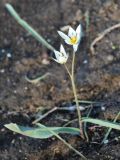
x=9, y=55
x=45, y=61
x=2, y=70
x=106, y=141
x=26, y=88
x=3, y=129
x=20, y=151
x=103, y=108
x=78, y=15
x=3, y=50
x=85, y=61
x=20, y=138
x=65, y=28
x=13, y=141
x=15, y=91
x=110, y=58
x=49, y=40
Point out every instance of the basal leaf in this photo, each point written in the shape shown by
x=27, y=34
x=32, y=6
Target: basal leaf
x=102, y=123
x=41, y=132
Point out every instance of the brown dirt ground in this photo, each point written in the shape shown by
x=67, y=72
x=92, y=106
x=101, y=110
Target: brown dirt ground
x=98, y=79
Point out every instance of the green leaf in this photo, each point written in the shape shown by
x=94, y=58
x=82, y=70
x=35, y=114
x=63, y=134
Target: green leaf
x=102, y=123
x=41, y=132
x=27, y=27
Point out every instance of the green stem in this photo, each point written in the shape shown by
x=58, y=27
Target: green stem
x=27, y=27
x=67, y=70
x=75, y=94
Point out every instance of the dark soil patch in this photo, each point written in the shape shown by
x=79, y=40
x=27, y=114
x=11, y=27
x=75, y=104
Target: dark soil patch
x=97, y=77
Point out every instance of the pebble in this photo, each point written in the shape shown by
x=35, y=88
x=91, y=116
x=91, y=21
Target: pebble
x=20, y=151
x=2, y=71
x=85, y=61
x=15, y=91
x=110, y=58
x=78, y=15
x=3, y=129
x=3, y=50
x=45, y=61
x=9, y=55
x=26, y=88
x=103, y=108
x=106, y=141
x=13, y=141
x=48, y=40
x=65, y=28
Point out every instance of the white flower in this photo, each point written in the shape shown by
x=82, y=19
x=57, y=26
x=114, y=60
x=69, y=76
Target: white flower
x=62, y=56
x=73, y=38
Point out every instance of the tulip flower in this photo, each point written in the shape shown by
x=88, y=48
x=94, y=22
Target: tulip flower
x=61, y=56
x=73, y=38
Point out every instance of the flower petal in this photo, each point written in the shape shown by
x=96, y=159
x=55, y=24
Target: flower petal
x=62, y=60
x=79, y=29
x=75, y=47
x=71, y=32
x=62, y=49
x=79, y=32
x=57, y=54
x=55, y=60
x=64, y=36
x=68, y=42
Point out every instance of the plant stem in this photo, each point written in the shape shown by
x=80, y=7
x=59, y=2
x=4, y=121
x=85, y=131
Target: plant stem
x=75, y=95
x=85, y=125
x=67, y=70
x=71, y=74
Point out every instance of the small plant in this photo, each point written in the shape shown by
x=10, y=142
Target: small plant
x=73, y=39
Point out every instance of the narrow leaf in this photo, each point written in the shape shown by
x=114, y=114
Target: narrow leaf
x=41, y=132
x=102, y=123
x=27, y=27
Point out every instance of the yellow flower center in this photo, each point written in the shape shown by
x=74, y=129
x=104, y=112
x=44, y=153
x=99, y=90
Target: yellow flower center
x=73, y=40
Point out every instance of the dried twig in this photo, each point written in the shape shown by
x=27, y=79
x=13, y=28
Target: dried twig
x=70, y=108
x=45, y=115
x=85, y=125
x=36, y=80
x=101, y=36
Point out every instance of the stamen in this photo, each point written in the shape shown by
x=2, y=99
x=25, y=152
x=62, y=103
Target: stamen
x=73, y=40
